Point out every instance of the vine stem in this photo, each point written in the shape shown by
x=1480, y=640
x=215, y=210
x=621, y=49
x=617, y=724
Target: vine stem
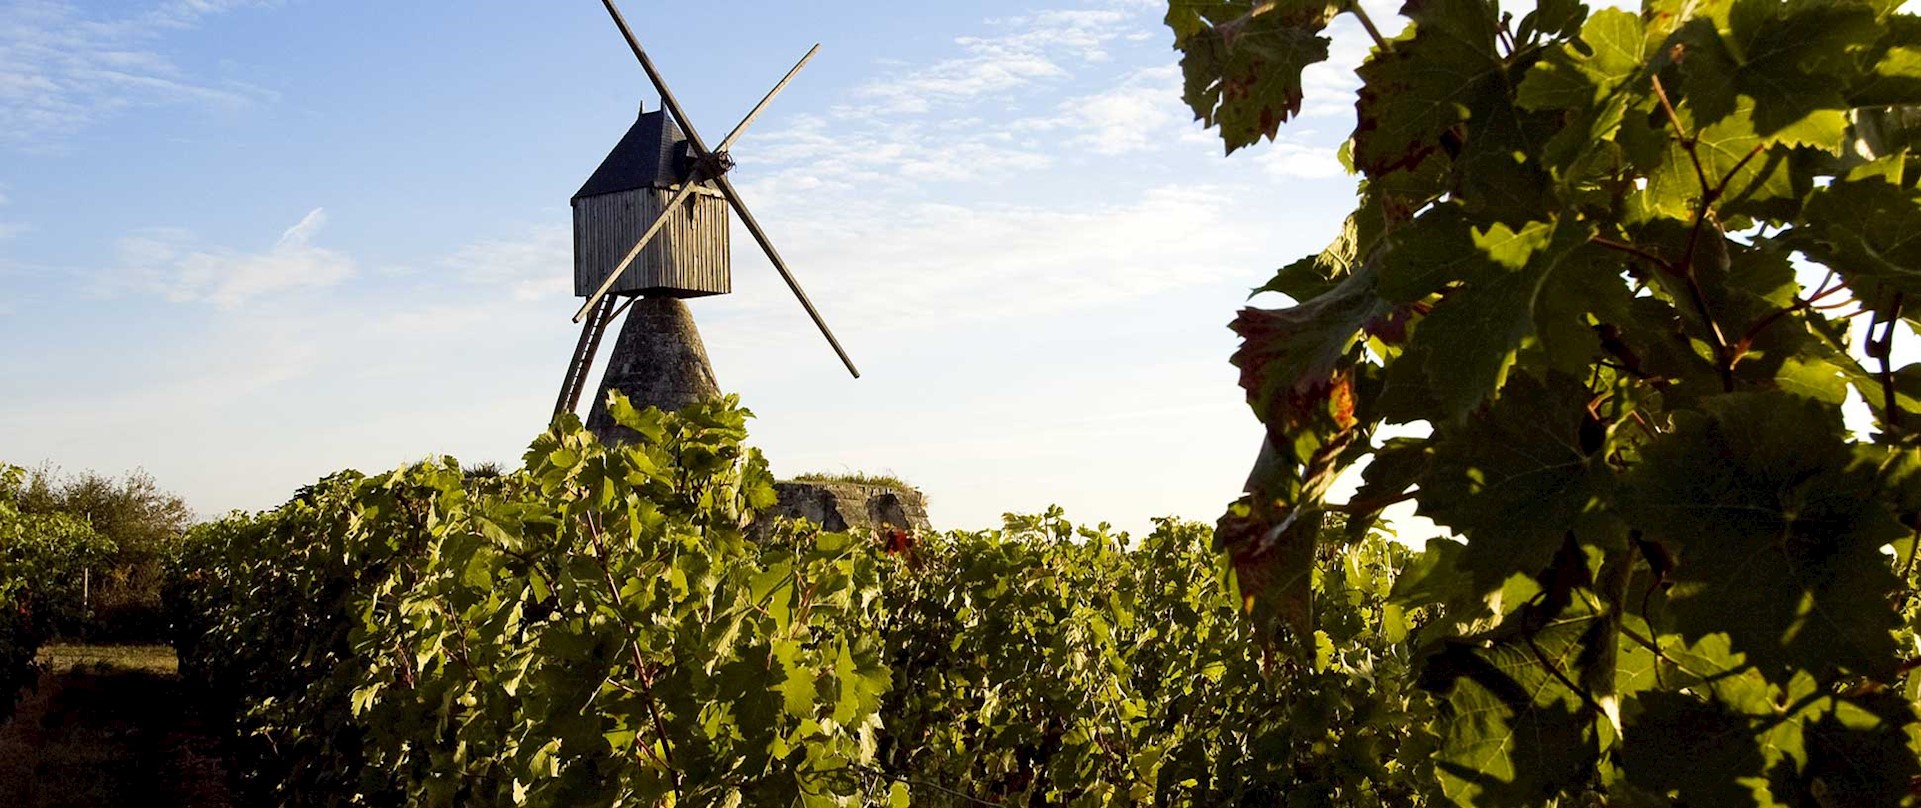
x=1907, y=570
x=1621, y=246
x=666, y=756
x=1368, y=23
x=1882, y=349
x=1800, y=304
x=1371, y=505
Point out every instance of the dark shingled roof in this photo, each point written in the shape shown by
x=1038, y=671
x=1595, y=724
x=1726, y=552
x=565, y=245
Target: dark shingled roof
x=653, y=153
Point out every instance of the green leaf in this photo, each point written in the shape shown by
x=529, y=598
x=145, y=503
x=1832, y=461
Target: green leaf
x=1422, y=86
x=1860, y=753
x=1474, y=335
x=1512, y=734
x=1241, y=61
x=1779, y=533
x=1611, y=50
x=1869, y=232
x=1699, y=749
x=1515, y=478
x=1753, y=169
x=1788, y=60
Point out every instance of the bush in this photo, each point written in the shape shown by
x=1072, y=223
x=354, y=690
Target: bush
x=41, y=558
x=144, y=524
x=596, y=630
x=592, y=630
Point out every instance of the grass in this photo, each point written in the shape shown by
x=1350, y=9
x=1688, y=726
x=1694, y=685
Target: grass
x=108, y=726
x=856, y=478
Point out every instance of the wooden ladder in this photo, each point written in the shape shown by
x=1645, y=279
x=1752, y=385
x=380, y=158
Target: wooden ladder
x=591, y=331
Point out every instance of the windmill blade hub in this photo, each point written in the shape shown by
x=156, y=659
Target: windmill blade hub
x=713, y=165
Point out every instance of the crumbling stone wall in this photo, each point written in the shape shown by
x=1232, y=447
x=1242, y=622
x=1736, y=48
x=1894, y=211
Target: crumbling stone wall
x=845, y=506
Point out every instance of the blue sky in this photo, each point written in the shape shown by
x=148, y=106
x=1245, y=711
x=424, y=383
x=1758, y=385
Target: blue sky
x=244, y=244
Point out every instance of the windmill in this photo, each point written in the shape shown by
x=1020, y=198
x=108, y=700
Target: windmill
x=650, y=230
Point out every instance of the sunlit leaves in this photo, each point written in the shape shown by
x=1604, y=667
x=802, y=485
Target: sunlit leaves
x=1598, y=271
x=593, y=629
x=1242, y=61
x=1420, y=88
x=42, y=556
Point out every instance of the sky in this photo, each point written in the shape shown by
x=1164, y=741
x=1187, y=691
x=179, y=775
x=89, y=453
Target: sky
x=247, y=243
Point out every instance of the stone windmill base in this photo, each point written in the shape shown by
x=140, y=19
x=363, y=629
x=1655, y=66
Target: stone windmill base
x=658, y=361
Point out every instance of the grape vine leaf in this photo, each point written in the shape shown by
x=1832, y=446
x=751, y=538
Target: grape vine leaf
x=1869, y=232
x=1474, y=334
x=1512, y=733
x=1789, y=59
x=1512, y=478
x=1289, y=357
x=1779, y=537
x=1241, y=61
x=1859, y=753
x=1420, y=88
x=1698, y=748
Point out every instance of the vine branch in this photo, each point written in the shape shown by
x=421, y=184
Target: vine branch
x=665, y=757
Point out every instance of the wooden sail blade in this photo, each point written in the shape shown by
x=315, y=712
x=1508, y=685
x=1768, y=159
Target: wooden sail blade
x=701, y=151
x=740, y=128
x=773, y=255
x=667, y=98
x=687, y=187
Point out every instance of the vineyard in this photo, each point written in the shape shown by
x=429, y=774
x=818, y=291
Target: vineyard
x=598, y=629
x=1618, y=308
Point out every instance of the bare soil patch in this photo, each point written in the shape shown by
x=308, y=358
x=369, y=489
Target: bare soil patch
x=109, y=726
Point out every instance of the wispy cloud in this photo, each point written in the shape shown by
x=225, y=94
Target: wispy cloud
x=1028, y=49
x=934, y=265
x=62, y=69
x=1290, y=158
x=533, y=265
x=170, y=262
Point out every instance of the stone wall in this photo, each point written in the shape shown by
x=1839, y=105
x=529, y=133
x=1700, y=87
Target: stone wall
x=844, y=506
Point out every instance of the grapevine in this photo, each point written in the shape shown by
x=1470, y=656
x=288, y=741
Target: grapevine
x=1604, y=266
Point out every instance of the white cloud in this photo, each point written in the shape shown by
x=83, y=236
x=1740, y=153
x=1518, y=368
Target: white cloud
x=928, y=265
x=169, y=261
x=535, y=265
x=63, y=69
x=817, y=154
x=1140, y=112
x=1327, y=88
x=1287, y=158
x=1032, y=49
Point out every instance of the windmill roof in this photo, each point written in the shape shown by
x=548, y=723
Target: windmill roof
x=650, y=154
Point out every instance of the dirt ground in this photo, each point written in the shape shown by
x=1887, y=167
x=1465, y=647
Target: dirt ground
x=109, y=726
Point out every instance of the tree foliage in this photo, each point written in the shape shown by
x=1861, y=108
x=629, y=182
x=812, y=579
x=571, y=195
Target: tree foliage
x=1625, y=270
x=141, y=519
x=41, y=558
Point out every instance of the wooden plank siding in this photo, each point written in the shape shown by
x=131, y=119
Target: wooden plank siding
x=687, y=258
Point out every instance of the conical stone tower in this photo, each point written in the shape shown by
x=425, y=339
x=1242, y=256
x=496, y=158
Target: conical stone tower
x=658, y=361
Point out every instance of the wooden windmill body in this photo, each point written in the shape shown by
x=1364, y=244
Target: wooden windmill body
x=651, y=229
x=626, y=194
